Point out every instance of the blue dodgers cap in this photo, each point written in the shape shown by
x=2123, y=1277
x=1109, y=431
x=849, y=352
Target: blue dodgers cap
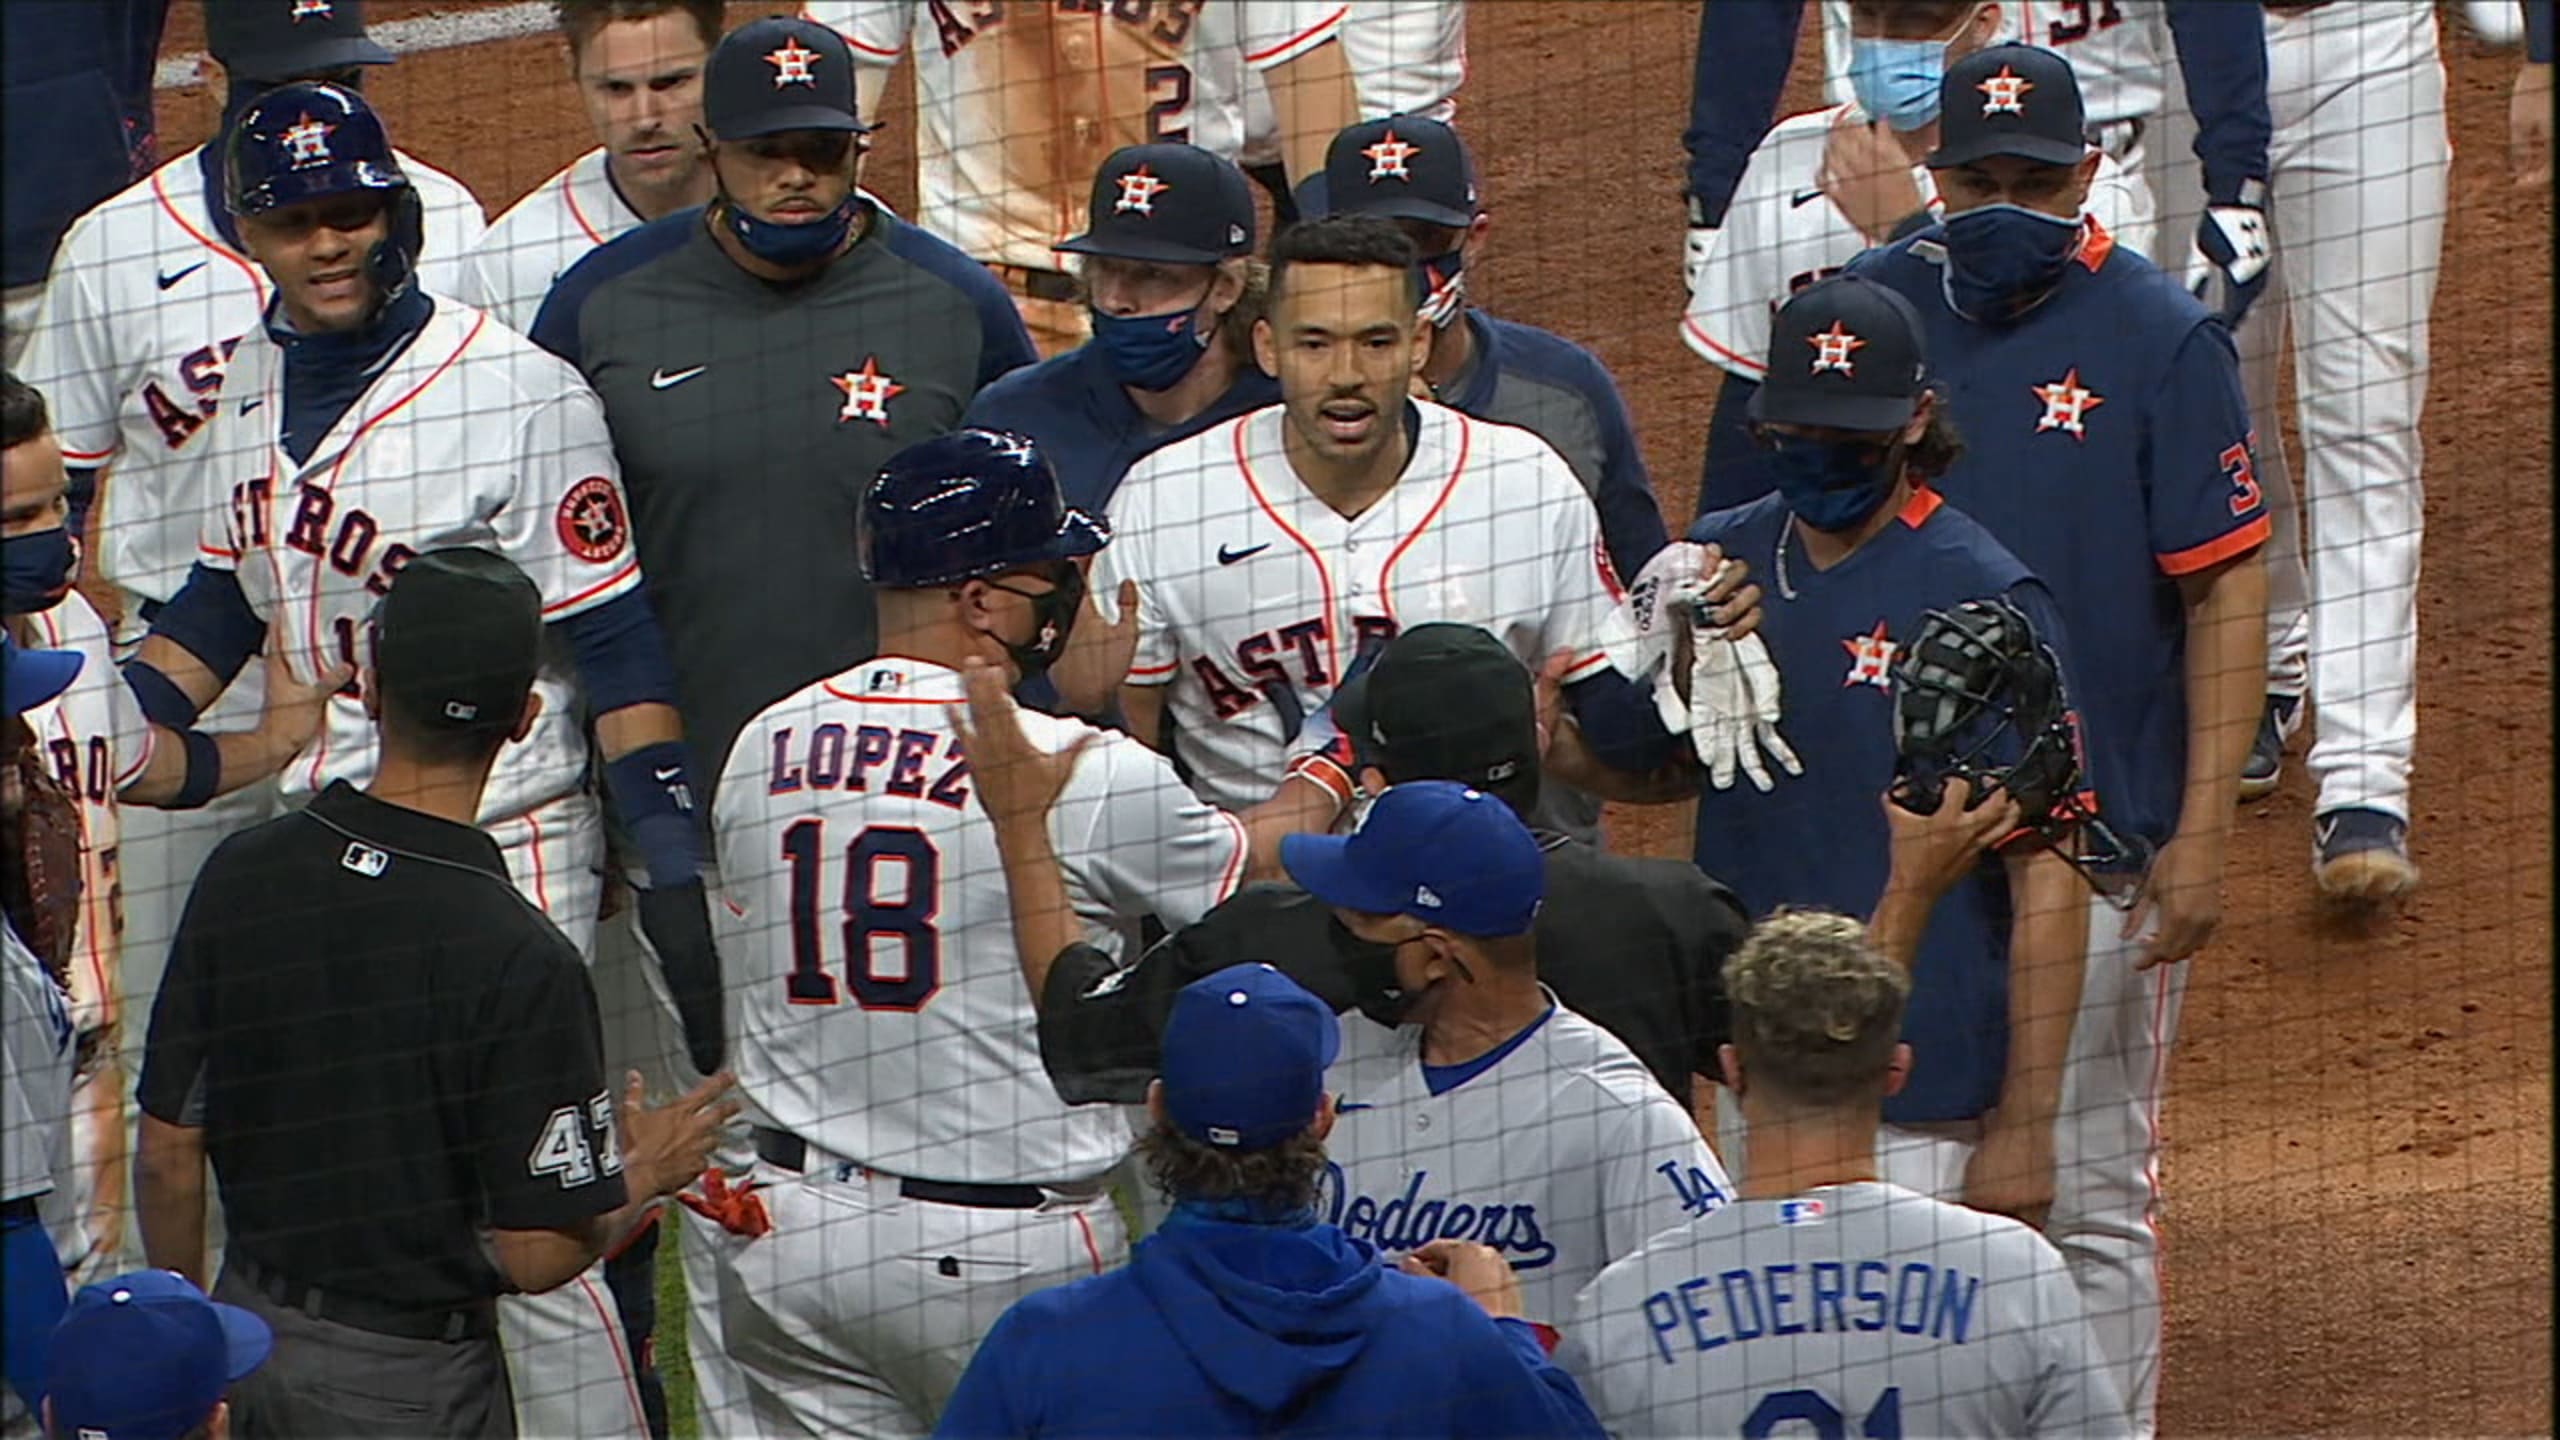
x=144, y=1356
x=2010, y=100
x=1845, y=353
x=34, y=676
x=1245, y=1051
x=1444, y=853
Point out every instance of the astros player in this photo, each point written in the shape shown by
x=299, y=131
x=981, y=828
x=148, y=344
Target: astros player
x=918, y=1172
x=149, y=296
x=638, y=69
x=1018, y=105
x=1828, y=1298
x=367, y=420
x=1407, y=57
x=1492, y=1112
x=1273, y=553
x=2109, y=448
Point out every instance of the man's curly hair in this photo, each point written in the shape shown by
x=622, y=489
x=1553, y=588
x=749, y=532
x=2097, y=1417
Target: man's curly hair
x=1816, y=1011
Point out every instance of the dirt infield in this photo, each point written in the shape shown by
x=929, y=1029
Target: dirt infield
x=2359, y=1155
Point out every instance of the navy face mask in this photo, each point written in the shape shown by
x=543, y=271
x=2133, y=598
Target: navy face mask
x=2001, y=259
x=1151, y=352
x=38, y=569
x=792, y=245
x=1833, y=486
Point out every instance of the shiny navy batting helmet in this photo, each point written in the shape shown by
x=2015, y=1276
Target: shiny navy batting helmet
x=313, y=140
x=968, y=504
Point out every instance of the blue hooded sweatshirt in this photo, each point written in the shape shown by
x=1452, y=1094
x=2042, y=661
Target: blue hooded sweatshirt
x=1220, y=1327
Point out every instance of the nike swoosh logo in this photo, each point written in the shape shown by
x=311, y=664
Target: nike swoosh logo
x=670, y=773
x=248, y=405
x=667, y=379
x=167, y=279
x=1229, y=557
x=1804, y=198
x=2328, y=829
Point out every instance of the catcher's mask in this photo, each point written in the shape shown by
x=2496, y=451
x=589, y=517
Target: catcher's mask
x=1977, y=697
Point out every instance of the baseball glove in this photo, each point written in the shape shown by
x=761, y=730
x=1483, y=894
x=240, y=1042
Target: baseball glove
x=41, y=889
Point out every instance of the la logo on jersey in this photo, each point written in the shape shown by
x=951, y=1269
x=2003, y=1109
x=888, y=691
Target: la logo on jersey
x=306, y=142
x=2005, y=93
x=1390, y=158
x=1832, y=348
x=310, y=10
x=1138, y=191
x=590, y=521
x=867, y=393
x=2066, y=401
x=791, y=64
x=1698, y=1194
x=1870, y=659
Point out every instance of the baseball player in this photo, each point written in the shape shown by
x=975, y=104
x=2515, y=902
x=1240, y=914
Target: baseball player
x=2358, y=170
x=148, y=297
x=638, y=68
x=2109, y=448
x=1827, y=1297
x=1017, y=106
x=1272, y=553
x=1407, y=57
x=366, y=421
x=879, y=980
x=1491, y=1112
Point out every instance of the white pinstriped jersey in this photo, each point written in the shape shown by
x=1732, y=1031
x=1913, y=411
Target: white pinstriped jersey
x=135, y=333
x=92, y=738
x=1255, y=597
x=1860, y=1309
x=1783, y=233
x=469, y=436
x=1018, y=104
x=2119, y=50
x=36, y=1059
x=882, y=1013
x=1407, y=57
x=552, y=228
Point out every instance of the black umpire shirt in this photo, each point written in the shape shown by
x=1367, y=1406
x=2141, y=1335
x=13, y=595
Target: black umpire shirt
x=748, y=415
x=388, y=1048
x=1635, y=945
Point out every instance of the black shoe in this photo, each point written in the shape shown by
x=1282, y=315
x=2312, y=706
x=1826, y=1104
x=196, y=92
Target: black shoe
x=2265, y=765
x=2360, y=854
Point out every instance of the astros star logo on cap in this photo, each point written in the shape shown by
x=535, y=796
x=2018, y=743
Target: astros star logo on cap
x=791, y=64
x=306, y=141
x=1387, y=158
x=1832, y=348
x=1138, y=191
x=2005, y=93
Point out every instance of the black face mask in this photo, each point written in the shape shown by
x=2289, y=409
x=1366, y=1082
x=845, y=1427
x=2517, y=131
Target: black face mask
x=1053, y=619
x=1371, y=968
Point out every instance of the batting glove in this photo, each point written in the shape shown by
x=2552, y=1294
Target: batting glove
x=2233, y=245
x=1733, y=706
x=1693, y=254
x=1644, y=647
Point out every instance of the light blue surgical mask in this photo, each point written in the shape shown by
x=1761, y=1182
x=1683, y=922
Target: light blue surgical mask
x=1897, y=80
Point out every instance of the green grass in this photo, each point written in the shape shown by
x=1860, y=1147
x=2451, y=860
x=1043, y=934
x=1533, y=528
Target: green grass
x=675, y=1361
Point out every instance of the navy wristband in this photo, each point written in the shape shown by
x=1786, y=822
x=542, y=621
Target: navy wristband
x=162, y=702
x=204, y=771
x=655, y=798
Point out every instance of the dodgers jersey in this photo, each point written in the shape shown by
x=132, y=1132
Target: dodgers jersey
x=36, y=1059
x=147, y=301
x=1018, y=102
x=2107, y=444
x=468, y=436
x=881, y=1008
x=1256, y=598
x=1782, y=233
x=1819, y=839
x=94, y=739
x=1859, y=1309
x=1558, y=1149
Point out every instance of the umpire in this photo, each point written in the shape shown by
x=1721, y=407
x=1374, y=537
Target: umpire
x=393, y=1059
x=1634, y=945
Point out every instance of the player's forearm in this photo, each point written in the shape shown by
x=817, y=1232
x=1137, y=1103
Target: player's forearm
x=1301, y=807
x=241, y=757
x=2048, y=952
x=1035, y=884
x=168, y=1184
x=619, y=732
x=194, y=679
x=1312, y=100
x=2226, y=687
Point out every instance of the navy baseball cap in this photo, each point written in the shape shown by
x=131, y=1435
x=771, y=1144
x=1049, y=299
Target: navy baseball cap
x=145, y=1356
x=1169, y=202
x=267, y=41
x=779, y=73
x=458, y=641
x=1447, y=701
x=1843, y=353
x=1405, y=167
x=1444, y=853
x=2010, y=100
x=32, y=677
x=1245, y=1051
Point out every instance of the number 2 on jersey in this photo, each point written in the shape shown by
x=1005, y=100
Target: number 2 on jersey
x=1169, y=94
x=906, y=917
x=1782, y=1408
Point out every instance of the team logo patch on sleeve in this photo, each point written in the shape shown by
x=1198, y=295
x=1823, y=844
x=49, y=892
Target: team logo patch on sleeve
x=591, y=522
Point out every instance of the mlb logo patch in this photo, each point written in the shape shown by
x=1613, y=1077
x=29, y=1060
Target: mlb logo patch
x=1799, y=1212
x=365, y=860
